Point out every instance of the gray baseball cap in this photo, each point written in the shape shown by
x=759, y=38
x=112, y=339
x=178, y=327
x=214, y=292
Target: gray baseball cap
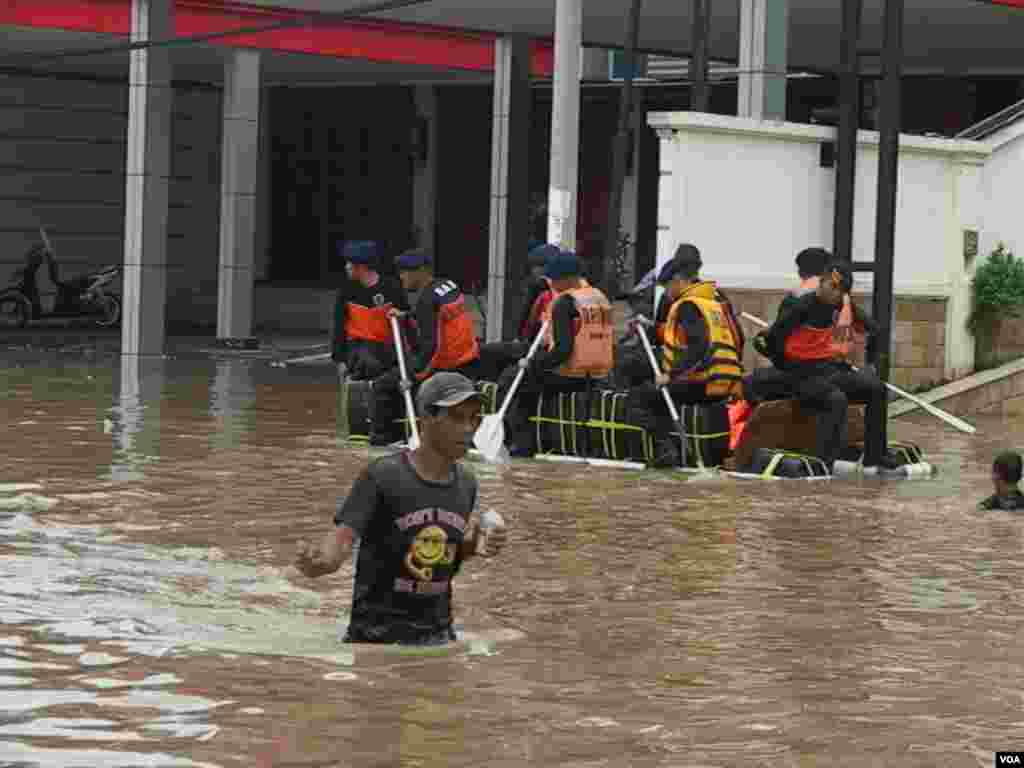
x=444, y=389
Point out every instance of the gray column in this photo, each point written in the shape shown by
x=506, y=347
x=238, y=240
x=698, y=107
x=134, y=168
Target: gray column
x=509, y=186
x=147, y=168
x=264, y=233
x=764, y=28
x=565, y=123
x=239, y=171
x=425, y=180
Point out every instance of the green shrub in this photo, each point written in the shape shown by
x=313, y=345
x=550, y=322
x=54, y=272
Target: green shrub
x=997, y=290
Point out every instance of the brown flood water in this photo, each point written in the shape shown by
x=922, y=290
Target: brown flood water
x=148, y=513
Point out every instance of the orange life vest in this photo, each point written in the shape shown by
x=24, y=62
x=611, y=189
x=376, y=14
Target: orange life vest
x=456, y=338
x=368, y=323
x=721, y=371
x=593, y=331
x=810, y=344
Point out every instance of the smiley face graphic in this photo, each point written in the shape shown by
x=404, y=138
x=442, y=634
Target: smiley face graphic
x=428, y=549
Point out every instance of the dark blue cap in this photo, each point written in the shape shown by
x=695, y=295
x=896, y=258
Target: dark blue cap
x=532, y=243
x=359, y=252
x=538, y=257
x=414, y=259
x=562, y=264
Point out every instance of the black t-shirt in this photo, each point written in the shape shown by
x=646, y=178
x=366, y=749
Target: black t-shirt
x=411, y=534
x=1015, y=500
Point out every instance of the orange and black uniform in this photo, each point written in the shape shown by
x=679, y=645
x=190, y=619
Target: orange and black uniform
x=802, y=341
x=447, y=336
x=362, y=331
x=576, y=352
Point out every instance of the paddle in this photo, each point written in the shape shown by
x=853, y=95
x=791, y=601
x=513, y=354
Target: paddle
x=673, y=411
x=307, y=359
x=410, y=409
x=938, y=413
x=490, y=435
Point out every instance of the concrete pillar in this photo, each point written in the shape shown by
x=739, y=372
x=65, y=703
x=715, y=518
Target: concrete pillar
x=263, y=195
x=147, y=168
x=509, y=186
x=629, y=219
x=764, y=28
x=425, y=180
x=239, y=171
x=565, y=123
x=960, y=265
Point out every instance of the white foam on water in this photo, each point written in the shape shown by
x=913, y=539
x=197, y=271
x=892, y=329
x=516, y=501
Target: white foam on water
x=251, y=711
x=96, y=758
x=7, y=681
x=9, y=663
x=146, y=682
x=79, y=730
x=30, y=501
x=11, y=641
x=64, y=650
x=97, y=659
x=15, y=487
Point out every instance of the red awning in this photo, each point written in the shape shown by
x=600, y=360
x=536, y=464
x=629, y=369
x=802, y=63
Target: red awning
x=383, y=41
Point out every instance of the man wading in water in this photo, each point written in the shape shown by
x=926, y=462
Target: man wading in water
x=411, y=513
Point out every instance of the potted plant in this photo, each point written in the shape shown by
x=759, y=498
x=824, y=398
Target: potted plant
x=997, y=305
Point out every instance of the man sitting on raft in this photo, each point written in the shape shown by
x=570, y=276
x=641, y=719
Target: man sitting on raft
x=1006, y=474
x=577, y=349
x=411, y=513
x=700, y=354
x=811, y=341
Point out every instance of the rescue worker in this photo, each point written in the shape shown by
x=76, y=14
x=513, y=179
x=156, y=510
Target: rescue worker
x=576, y=352
x=446, y=334
x=811, y=342
x=632, y=366
x=773, y=383
x=412, y=513
x=700, y=355
x=363, y=347
x=537, y=293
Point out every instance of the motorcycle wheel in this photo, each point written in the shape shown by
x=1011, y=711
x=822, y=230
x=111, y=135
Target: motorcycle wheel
x=111, y=312
x=15, y=311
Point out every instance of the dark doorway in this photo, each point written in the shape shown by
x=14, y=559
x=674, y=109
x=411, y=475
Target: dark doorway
x=341, y=169
x=464, y=183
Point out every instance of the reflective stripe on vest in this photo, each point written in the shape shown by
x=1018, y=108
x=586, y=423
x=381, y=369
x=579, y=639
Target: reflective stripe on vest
x=721, y=370
x=593, y=331
x=368, y=323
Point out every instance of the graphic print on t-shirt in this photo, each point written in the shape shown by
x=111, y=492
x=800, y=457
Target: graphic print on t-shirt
x=430, y=552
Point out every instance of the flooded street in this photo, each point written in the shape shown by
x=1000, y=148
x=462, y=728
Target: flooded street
x=148, y=617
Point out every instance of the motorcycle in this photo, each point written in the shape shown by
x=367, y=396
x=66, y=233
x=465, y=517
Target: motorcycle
x=85, y=296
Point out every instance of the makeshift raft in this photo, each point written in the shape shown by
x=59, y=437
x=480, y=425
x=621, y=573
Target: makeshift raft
x=598, y=429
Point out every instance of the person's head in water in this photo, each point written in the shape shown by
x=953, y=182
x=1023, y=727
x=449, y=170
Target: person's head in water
x=836, y=282
x=563, y=269
x=537, y=258
x=450, y=412
x=415, y=269
x=1006, y=473
x=360, y=260
x=681, y=271
x=810, y=264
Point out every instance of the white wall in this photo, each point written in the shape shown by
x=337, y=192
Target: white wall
x=1003, y=190
x=752, y=194
x=62, y=156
